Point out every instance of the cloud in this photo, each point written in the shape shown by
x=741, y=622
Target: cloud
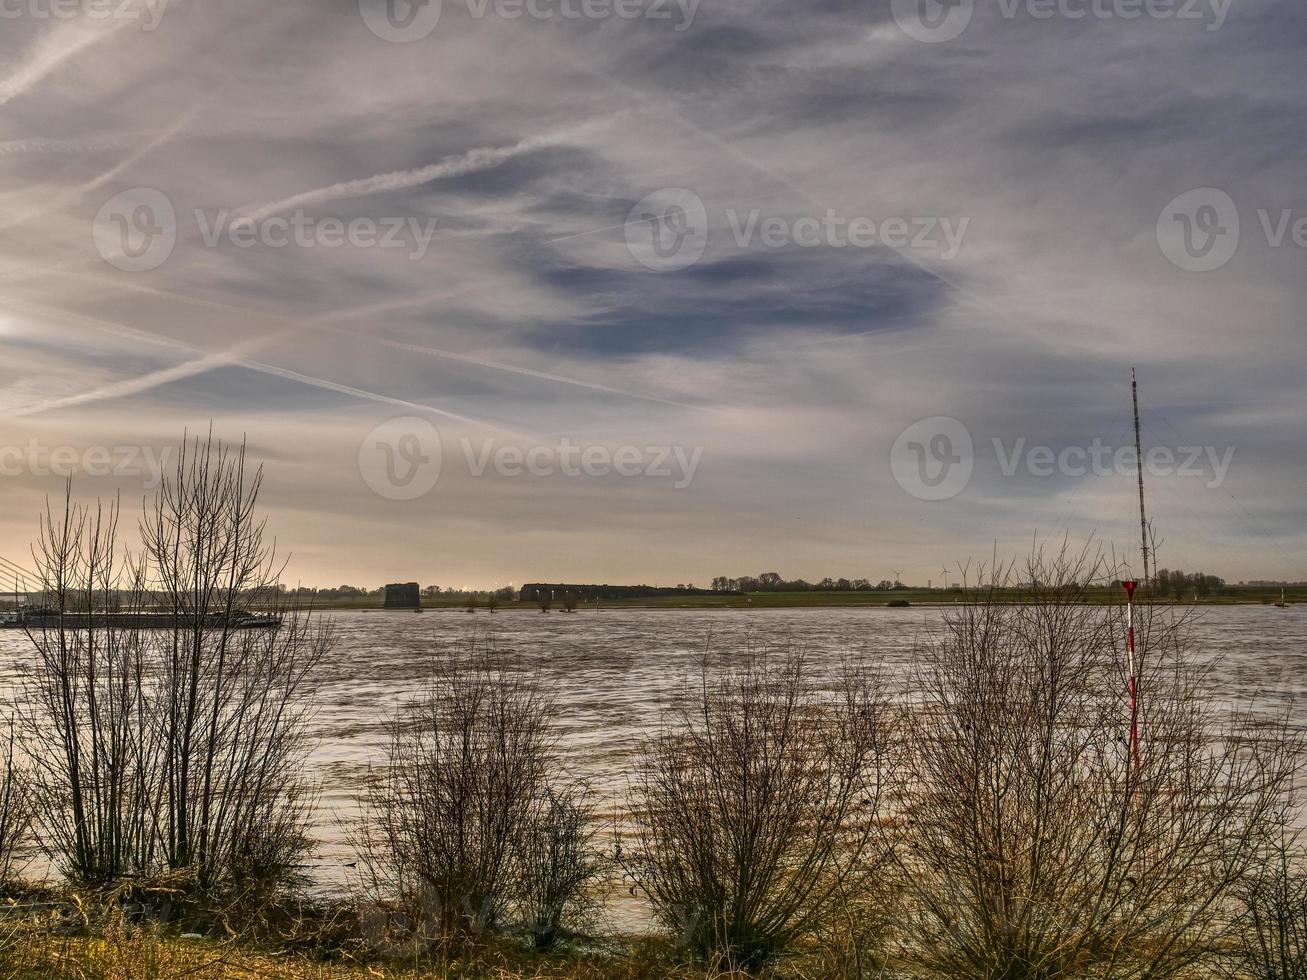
x=794, y=366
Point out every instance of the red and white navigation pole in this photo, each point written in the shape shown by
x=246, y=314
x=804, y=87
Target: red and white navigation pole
x=1130, y=665
x=1132, y=585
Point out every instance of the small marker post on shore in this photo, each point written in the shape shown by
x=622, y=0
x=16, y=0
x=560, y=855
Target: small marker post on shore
x=1130, y=587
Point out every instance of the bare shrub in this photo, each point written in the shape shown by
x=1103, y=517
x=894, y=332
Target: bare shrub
x=178, y=744
x=1272, y=929
x=1033, y=845
x=89, y=729
x=754, y=808
x=560, y=866
x=15, y=808
x=469, y=766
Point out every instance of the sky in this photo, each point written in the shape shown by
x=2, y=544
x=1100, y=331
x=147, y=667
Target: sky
x=650, y=291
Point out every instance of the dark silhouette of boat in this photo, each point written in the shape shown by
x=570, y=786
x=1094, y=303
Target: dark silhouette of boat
x=43, y=619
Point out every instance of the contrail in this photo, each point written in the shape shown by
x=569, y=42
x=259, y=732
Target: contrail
x=525, y=372
x=130, y=333
x=75, y=195
x=49, y=54
x=144, y=382
x=90, y=144
x=326, y=323
x=483, y=158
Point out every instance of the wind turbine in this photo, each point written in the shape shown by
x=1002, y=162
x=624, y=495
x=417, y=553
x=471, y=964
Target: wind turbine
x=945, y=571
x=898, y=576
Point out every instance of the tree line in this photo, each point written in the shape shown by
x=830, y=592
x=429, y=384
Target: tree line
x=1178, y=584
x=773, y=582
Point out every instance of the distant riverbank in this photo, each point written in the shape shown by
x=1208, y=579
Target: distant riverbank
x=1232, y=595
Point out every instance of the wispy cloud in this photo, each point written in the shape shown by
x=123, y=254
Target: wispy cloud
x=64, y=41
x=472, y=161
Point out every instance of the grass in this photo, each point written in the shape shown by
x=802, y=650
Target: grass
x=142, y=953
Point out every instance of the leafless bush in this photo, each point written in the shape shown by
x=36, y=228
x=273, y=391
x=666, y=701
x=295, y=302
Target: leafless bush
x=754, y=809
x=1034, y=846
x=1272, y=929
x=15, y=808
x=560, y=866
x=178, y=744
x=86, y=719
x=470, y=765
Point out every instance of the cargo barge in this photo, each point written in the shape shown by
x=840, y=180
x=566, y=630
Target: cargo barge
x=45, y=619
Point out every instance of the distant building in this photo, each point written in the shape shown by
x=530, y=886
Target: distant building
x=404, y=595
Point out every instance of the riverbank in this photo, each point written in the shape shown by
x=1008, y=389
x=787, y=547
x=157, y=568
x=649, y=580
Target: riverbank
x=1232, y=596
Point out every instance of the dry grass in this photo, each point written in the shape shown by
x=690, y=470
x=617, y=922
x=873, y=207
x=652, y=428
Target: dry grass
x=143, y=954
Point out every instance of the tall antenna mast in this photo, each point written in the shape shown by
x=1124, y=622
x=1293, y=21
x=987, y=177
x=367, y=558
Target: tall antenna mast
x=1139, y=466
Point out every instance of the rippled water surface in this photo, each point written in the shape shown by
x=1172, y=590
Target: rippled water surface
x=611, y=670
